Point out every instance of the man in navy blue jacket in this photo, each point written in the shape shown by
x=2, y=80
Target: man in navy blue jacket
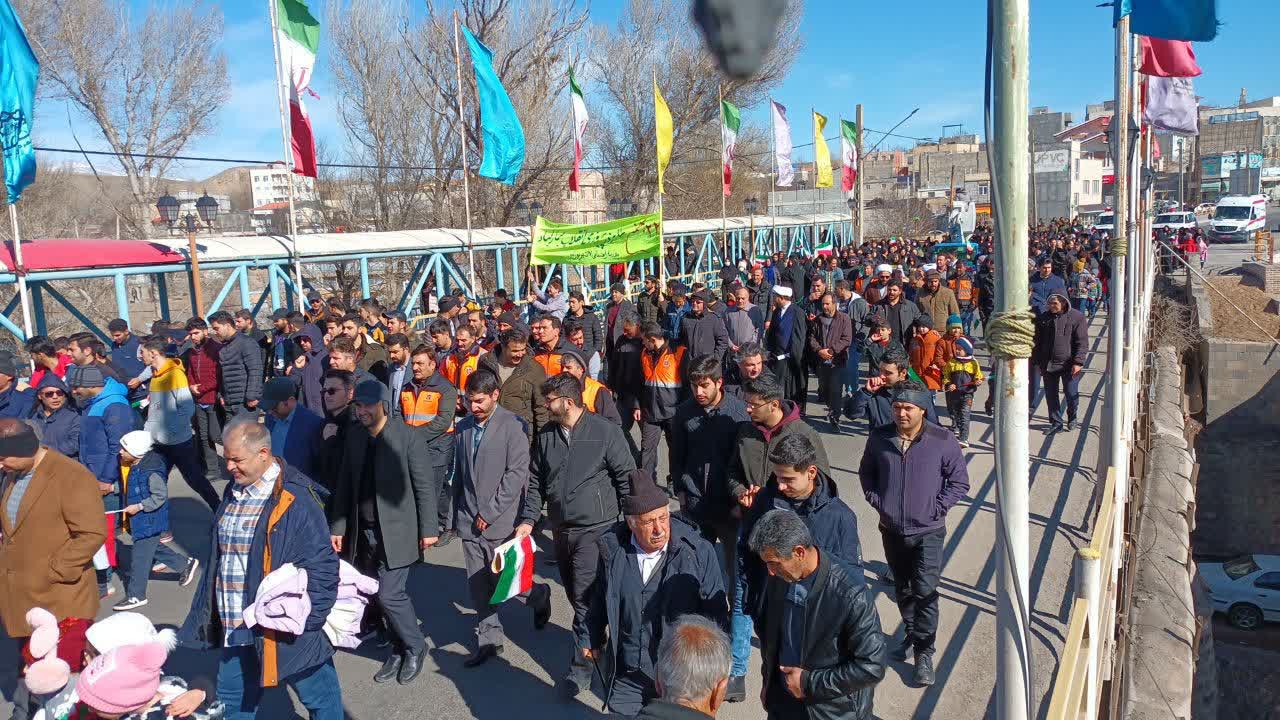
x=912, y=473
x=1045, y=284
x=266, y=498
x=295, y=430
x=56, y=417
x=14, y=403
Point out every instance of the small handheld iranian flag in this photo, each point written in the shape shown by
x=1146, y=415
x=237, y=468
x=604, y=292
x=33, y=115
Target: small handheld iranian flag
x=848, y=154
x=513, y=564
x=580, y=119
x=825, y=246
x=729, y=134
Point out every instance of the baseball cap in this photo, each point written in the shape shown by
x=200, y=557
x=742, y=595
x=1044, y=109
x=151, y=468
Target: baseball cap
x=280, y=314
x=370, y=392
x=395, y=315
x=314, y=295
x=276, y=391
x=9, y=364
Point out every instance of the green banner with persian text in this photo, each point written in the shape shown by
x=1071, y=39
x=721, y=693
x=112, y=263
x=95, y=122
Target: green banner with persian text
x=622, y=240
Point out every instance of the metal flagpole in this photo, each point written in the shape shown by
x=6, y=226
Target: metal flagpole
x=724, y=223
x=466, y=182
x=773, y=178
x=24, y=295
x=662, y=238
x=813, y=241
x=286, y=133
x=857, y=232
x=1009, y=339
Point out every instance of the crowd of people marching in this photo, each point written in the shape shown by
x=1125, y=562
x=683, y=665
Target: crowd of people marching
x=354, y=445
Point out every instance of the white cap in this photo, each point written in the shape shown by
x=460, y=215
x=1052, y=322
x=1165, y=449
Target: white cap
x=884, y=268
x=127, y=628
x=136, y=443
x=782, y=290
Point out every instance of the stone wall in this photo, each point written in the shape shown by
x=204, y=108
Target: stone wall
x=1264, y=275
x=1160, y=669
x=1238, y=501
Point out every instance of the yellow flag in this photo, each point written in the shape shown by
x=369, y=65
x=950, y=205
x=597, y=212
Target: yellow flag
x=664, y=128
x=821, y=155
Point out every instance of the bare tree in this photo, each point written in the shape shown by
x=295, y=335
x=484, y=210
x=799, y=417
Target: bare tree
x=657, y=39
x=149, y=87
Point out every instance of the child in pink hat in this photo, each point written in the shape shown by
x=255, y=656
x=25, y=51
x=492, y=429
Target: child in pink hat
x=123, y=681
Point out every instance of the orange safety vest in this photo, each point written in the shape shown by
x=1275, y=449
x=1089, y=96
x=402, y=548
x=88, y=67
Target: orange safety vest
x=963, y=288
x=664, y=371
x=590, y=389
x=458, y=371
x=550, y=362
x=419, y=408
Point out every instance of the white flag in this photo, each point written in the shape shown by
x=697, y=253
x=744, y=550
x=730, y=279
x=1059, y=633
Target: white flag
x=782, y=146
x=1171, y=105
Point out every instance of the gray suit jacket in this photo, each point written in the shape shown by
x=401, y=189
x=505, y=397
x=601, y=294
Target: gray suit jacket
x=407, y=492
x=492, y=485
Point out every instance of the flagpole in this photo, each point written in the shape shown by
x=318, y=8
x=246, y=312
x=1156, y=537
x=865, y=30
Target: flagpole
x=773, y=174
x=813, y=118
x=466, y=182
x=286, y=133
x=662, y=238
x=24, y=295
x=724, y=223
x=857, y=230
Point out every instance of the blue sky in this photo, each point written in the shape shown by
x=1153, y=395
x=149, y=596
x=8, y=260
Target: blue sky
x=890, y=56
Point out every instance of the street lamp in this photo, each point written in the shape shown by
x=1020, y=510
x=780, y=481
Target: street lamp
x=168, y=207
x=208, y=209
x=522, y=213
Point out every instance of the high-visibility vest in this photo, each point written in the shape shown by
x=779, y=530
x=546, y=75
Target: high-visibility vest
x=590, y=389
x=964, y=290
x=550, y=361
x=664, y=370
x=457, y=371
x=419, y=408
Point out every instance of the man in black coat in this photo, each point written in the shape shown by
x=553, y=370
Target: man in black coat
x=830, y=337
x=821, y=646
x=579, y=467
x=239, y=365
x=1058, y=356
x=653, y=569
x=898, y=312
x=703, y=437
x=785, y=343
x=702, y=332
x=384, y=515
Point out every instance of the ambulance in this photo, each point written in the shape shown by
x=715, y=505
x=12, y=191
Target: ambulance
x=1237, y=217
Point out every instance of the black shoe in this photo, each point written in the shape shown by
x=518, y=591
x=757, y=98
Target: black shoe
x=1056, y=428
x=540, y=601
x=189, y=573
x=577, y=681
x=991, y=409
x=835, y=424
x=390, y=668
x=903, y=650
x=737, y=691
x=1071, y=425
x=482, y=655
x=923, y=675
x=446, y=537
x=411, y=667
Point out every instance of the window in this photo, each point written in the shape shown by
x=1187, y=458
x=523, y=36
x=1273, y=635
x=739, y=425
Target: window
x=1268, y=581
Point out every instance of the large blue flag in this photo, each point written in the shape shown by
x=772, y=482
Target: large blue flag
x=1195, y=20
x=503, y=136
x=18, y=72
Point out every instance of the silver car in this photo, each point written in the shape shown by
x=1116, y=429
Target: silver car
x=1247, y=589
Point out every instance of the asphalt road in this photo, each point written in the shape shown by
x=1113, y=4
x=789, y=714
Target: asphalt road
x=520, y=683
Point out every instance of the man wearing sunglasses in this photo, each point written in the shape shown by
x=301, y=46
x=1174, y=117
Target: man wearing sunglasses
x=58, y=420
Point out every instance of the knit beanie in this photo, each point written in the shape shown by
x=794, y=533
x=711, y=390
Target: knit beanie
x=124, y=680
x=964, y=349
x=954, y=321
x=127, y=628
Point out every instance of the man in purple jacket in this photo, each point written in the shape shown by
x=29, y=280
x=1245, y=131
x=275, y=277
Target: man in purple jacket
x=913, y=472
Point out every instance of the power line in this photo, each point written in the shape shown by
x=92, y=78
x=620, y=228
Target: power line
x=426, y=168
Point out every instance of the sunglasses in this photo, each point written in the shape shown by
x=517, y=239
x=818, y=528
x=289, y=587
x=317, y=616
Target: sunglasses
x=52, y=394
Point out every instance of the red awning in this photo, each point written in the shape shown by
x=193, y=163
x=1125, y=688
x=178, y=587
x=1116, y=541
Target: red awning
x=71, y=253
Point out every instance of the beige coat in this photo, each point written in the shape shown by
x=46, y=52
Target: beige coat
x=46, y=558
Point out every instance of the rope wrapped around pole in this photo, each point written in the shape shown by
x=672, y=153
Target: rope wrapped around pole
x=1011, y=334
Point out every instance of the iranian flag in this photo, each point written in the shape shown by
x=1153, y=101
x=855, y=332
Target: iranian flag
x=729, y=135
x=513, y=564
x=848, y=154
x=580, y=119
x=298, y=36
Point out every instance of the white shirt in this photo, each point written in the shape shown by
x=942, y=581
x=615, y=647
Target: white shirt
x=648, y=561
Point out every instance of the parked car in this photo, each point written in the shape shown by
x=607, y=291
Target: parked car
x=1247, y=589
x=1205, y=209
x=1175, y=220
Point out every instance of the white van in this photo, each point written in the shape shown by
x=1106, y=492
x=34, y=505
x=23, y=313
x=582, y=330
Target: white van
x=1106, y=221
x=1174, y=221
x=1237, y=217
